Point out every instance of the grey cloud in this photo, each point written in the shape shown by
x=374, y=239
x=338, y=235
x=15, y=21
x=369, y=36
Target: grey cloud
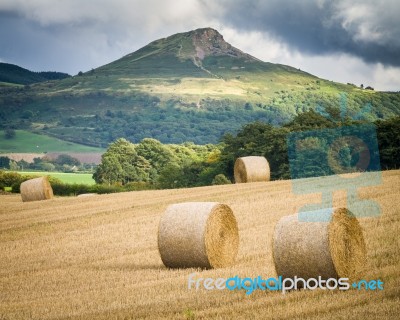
x=75, y=35
x=52, y=48
x=367, y=29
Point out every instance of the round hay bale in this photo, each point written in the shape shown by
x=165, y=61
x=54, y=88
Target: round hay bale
x=251, y=169
x=334, y=248
x=36, y=189
x=198, y=234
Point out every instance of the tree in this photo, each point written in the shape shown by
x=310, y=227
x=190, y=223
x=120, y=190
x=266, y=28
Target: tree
x=47, y=166
x=8, y=179
x=220, y=179
x=13, y=166
x=109, y=171
x=157, y=154
x=4, y=162
x=169, y=176
x=388, y=134
x=121, y=164
x=183, y=176
x=37, y=163
x=248, y=106
x=9, y=133
x=257, y=139
x=311, y=120
x=23, y=164
x=27, y=114
x=67, y=159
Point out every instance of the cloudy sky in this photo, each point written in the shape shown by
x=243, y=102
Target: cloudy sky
x=355, y=41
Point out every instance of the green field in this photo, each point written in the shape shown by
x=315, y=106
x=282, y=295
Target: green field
x=80, y=178
x=27, y=142
x=7, y=84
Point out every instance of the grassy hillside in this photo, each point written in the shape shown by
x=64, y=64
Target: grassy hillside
x=11, y=73
x=191, y=86
x=97, y=257
x=28, y=142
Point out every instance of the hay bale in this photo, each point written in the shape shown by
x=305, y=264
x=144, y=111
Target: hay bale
x=251, y=169
x=36, y=189
x=198, y=234
x=333, y=248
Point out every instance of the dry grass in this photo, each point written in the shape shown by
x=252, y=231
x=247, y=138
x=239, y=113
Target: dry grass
x=97, y=258
x=28, y=157
x=200, y=87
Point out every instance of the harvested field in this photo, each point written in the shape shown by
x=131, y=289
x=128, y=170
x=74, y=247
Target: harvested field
x=97, y=258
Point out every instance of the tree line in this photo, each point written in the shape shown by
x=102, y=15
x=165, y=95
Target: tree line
x=152, y=165
x=159, y=165
x=62, y=163
x=172, y=166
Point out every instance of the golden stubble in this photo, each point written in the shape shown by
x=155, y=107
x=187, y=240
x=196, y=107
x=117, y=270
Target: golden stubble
x=97, y=257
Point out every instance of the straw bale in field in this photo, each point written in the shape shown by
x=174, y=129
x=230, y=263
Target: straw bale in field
x=198, y=234
x=331, y=248
x=36, y=189
x=251, y=169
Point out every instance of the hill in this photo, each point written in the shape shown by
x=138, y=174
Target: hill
x=191, y=86
x=11, y=73
x=97, y=258
x=27, y=142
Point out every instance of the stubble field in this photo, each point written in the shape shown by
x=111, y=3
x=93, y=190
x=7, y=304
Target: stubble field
x=97, y=258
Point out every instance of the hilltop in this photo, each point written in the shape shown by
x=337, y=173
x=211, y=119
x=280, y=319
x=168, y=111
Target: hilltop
x=202, y=53
x=191, y=86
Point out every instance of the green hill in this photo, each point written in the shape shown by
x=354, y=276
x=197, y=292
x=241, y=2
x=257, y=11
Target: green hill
x=27, y=142
x=191, y=86
x=11, y=73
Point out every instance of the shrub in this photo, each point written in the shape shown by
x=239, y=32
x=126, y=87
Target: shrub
x=15, y=187
x=13, y=180
x=66, y=189
x=220, y=179
x=102, y=188
x=137, y=186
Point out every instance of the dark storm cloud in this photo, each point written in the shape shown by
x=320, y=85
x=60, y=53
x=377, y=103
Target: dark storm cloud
x=74, y=35
x=326, y=38
x=26, y=43
x=366, y=29
x=65, y=47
